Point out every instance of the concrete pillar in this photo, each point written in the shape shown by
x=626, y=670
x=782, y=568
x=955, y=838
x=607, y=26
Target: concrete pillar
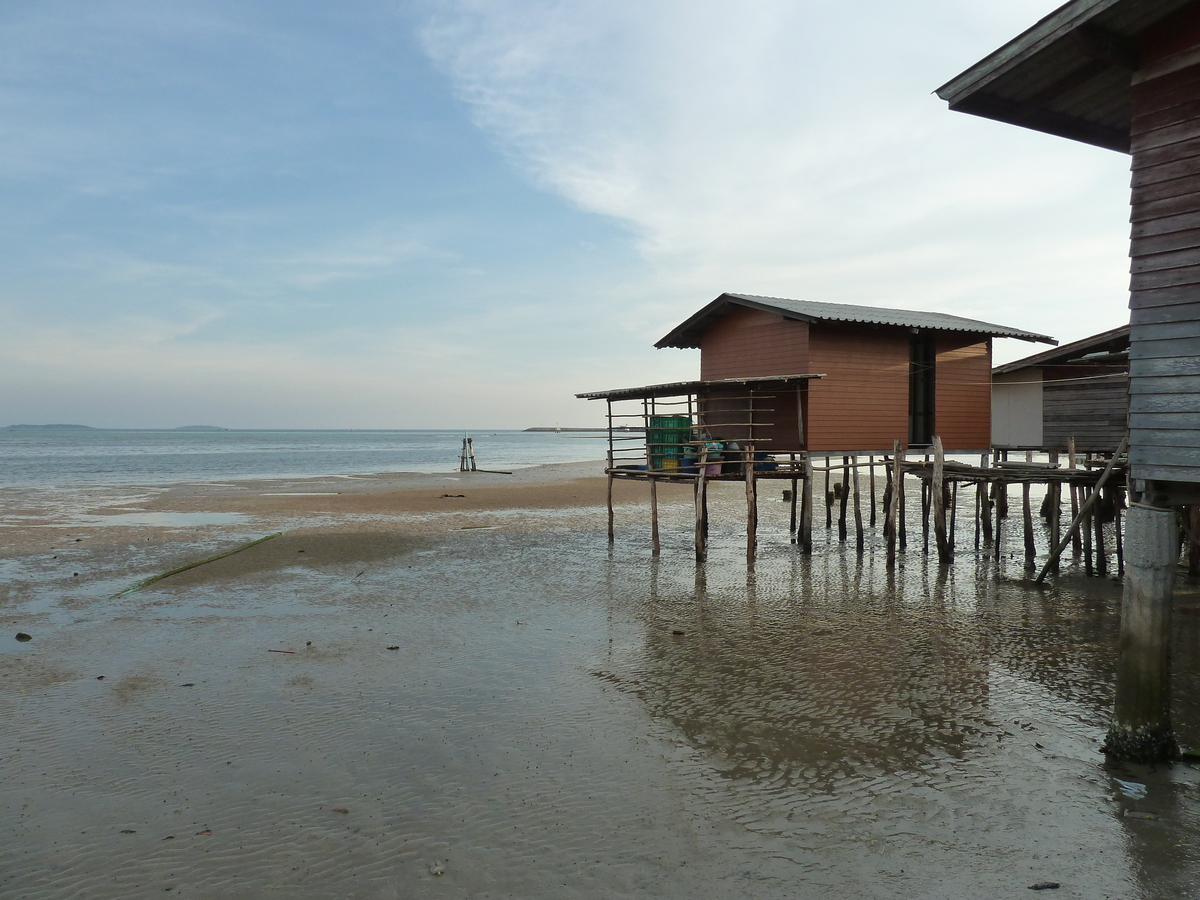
x=1141, y=727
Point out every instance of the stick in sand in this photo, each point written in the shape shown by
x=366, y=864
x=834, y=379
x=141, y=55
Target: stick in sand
x=192, y=565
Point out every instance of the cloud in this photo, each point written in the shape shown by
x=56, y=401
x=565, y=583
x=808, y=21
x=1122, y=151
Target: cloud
x=794, y=148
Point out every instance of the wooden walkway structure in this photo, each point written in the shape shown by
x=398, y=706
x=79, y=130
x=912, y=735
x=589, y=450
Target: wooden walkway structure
x=705, y=431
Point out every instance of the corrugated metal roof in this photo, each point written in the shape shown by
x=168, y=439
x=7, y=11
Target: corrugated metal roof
x=680, y=388
x=687, y=334
x=1068, y=75
x=1116, y=339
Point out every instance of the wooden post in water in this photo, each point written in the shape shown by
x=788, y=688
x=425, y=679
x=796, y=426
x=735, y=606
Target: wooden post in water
x=1072, y=463
x=892, y=505
x=926, y=502
x=1027, y=516
x=858, y=518
x=792, y=499
x=903, y=537
x=806, y=507
x=611, y=523
x=701, y=517
x=985, y=503
x=945, y=554
x=871, y=486
x=953, y=489
x=1101, y=556
x=844, y=500
x=751, y=505
x=1086, y=530
x=999, y=489
x=828, y=495
x=654, y=542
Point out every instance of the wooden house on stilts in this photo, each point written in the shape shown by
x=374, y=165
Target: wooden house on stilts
x=1124, y=75
x=784, y=382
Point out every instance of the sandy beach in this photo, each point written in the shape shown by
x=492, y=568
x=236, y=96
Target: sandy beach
x=450, y=686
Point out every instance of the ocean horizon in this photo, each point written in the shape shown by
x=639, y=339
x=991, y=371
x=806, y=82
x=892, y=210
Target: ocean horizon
x=32, y=456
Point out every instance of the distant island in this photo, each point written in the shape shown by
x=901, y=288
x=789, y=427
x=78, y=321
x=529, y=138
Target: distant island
x=50, y=428
x=199, y=428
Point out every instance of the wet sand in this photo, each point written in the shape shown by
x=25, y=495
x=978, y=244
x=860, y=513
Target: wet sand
x=555, y=719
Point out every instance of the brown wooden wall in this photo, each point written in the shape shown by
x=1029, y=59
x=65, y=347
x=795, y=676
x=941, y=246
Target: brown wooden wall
x=963, y=408
x=1094, y=411
x=750, y=342
x=862, y=403
x=1164, y=356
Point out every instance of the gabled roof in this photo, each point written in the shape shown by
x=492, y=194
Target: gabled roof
x=1106, y=342
x=687, y=335
x=1070, y=74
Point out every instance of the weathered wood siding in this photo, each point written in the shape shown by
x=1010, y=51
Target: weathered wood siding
x=862, y=403
x=1017, y=409
x=1164, y=363
x=750, y=342
x=963, y=411
x=1094, y=411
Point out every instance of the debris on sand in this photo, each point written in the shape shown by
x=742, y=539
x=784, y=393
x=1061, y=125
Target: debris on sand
x=22, y=636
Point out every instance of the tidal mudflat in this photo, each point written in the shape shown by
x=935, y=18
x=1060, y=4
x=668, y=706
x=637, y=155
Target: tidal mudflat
x=412, y=693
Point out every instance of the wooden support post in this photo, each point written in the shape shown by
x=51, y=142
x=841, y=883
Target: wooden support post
x=806, y=507
x=1089, y=503
x=828, y=495
x=654, y=542
x=892, y=505
x=1118, y=529
x=871, y=486
x=611, y=523
x=902, y=528
x=1101, y=555
x=999, y=488
x=1055, y=551
x=1072, y=463
x=985, y=506
x=751, y=506
x=953, y=489
x=858, y=517
x=926, y=503
x=1141, y=728
x=792, y=500
x=701, y=498
x=1027, y=518
x=844, y=500
x=945, y=555
x=979, y=502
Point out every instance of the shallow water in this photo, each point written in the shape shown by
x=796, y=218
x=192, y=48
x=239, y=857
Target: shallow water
x=562, y=720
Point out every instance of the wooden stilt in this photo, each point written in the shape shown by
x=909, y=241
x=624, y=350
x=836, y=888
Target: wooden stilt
x=893, y=505
x=1101, y=555
x=999, y=489
x=751, y=507
x=828, y=496
x=1118, y=530
x=871, y=486
x=806, y=507
x=985, y=510
x=858, y=517
x=654, y=542
x=701, y=518
x=978, y=513
x=1086, y=530
x=611, y=523
x=1027, y=516
x=901, y=527
x=792, y=499
x=939, y=503
x=953, y=489
x=1072, y=463
x=926, y=502
x=844, y=500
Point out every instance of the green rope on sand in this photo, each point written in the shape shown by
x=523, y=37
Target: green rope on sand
x=192, y=565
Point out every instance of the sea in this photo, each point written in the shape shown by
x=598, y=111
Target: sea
x=44, y=457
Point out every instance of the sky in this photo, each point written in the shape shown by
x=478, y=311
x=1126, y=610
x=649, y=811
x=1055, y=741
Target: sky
x=458, y=214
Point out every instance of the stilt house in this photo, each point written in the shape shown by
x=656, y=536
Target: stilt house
x=886, y=374
x=1076, y=394
x=1125, y=75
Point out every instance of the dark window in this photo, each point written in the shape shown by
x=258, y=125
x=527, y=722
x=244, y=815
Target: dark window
x=921, y=390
